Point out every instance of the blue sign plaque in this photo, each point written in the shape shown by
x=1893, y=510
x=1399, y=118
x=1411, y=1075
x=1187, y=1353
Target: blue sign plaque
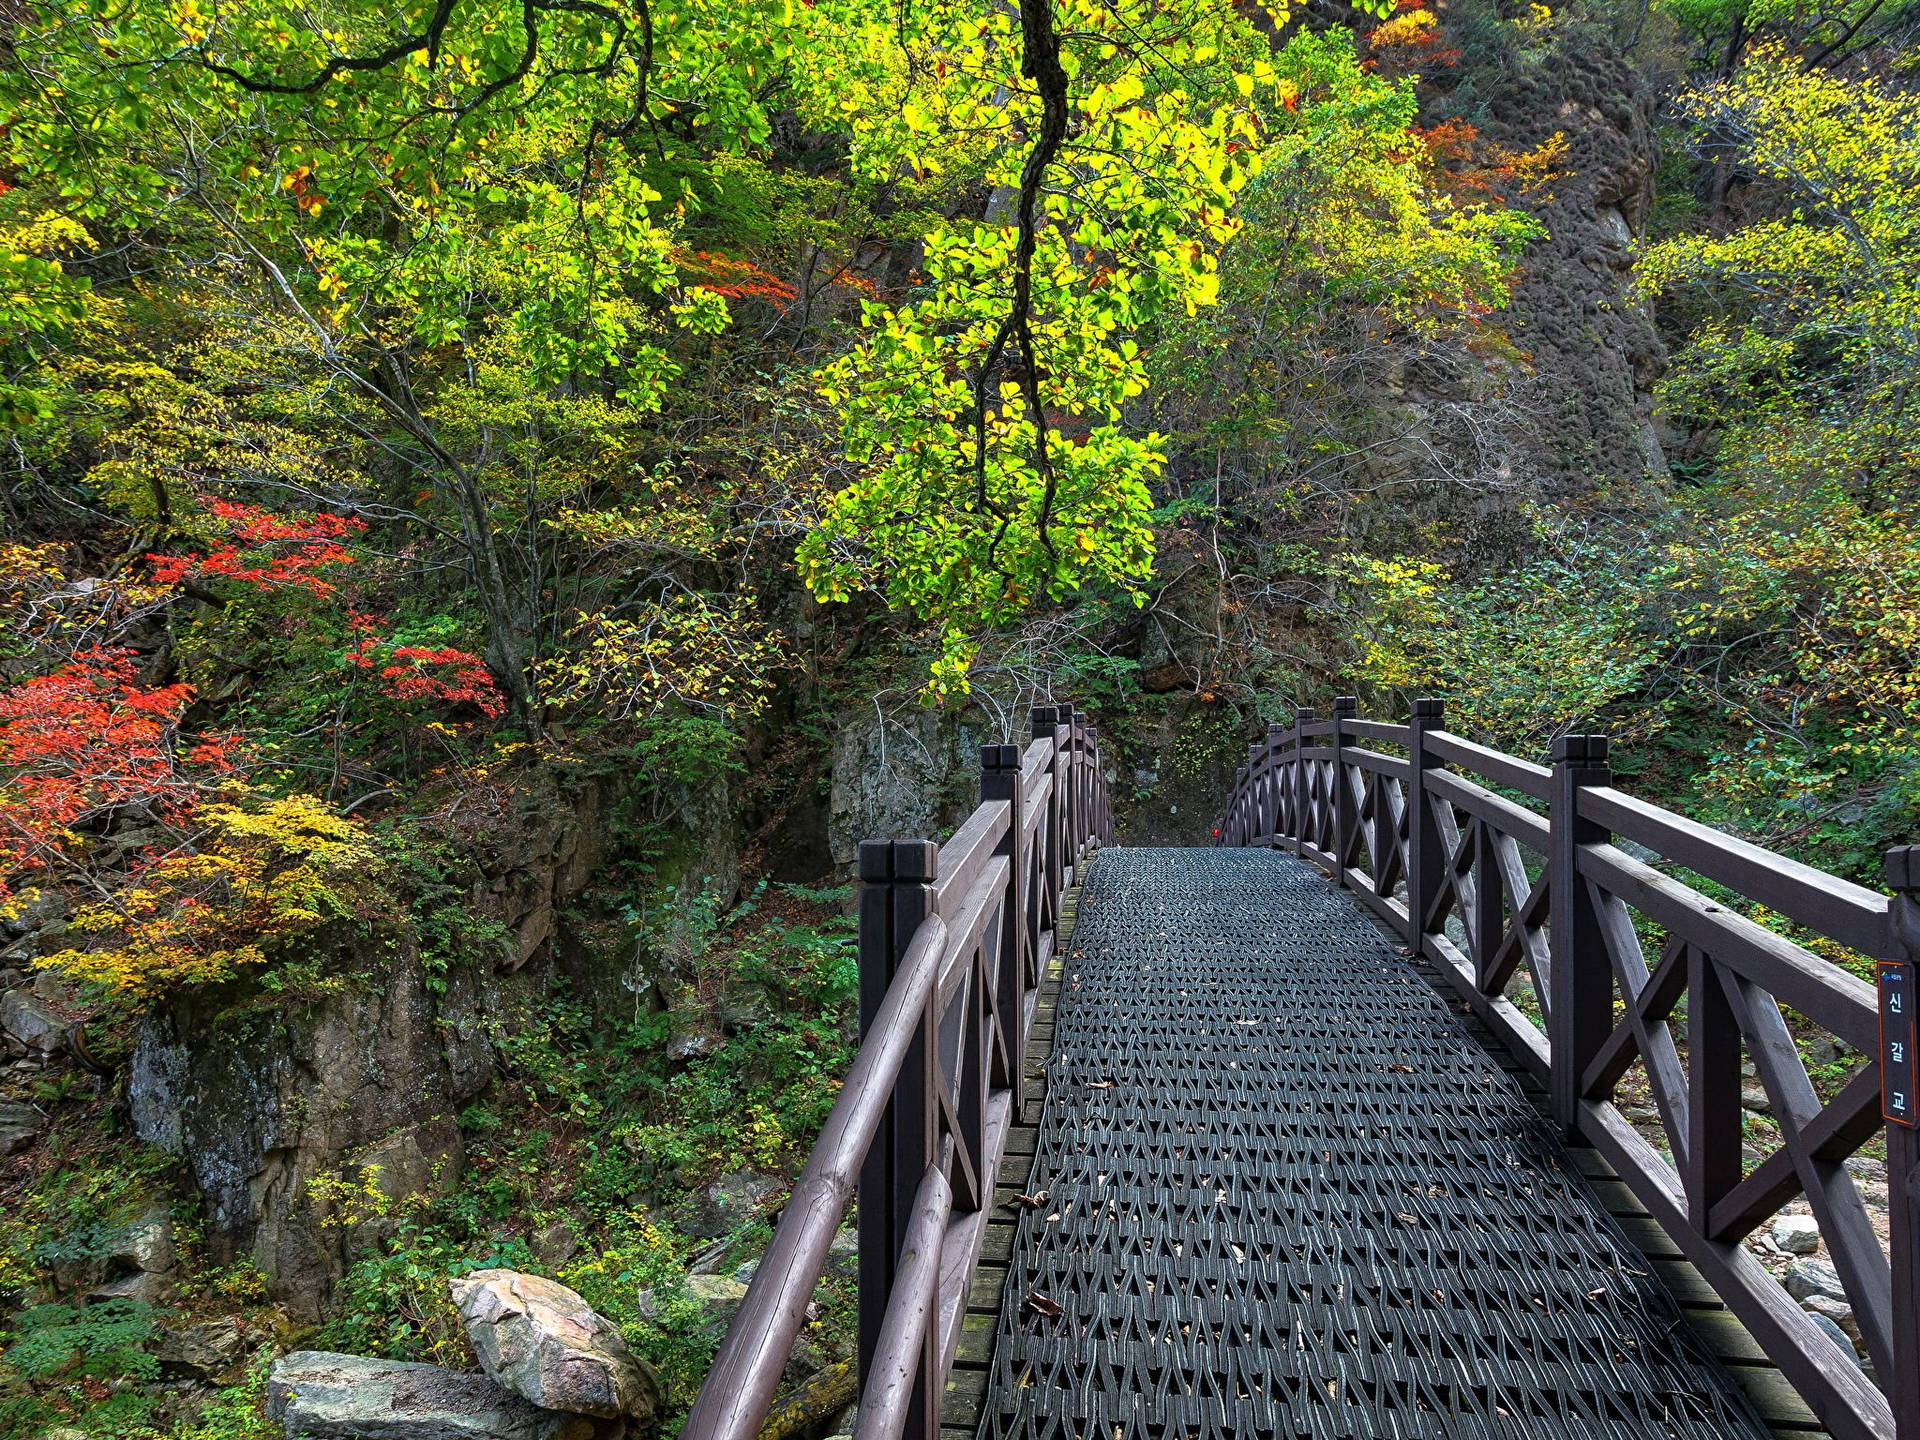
x=1899, y=1070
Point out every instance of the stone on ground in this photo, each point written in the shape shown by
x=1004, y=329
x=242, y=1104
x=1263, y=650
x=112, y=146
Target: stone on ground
x=543, y=1342
x=18, y=1126
x=1837, y=1311
x=1813, y=1277
x=554, y=1243
x=1797, y=1234
x=200, y=1351
x=727, y=1204
x=1834, y=1333
x=28, y=1019
x=320, y=1396
x=843, y=1255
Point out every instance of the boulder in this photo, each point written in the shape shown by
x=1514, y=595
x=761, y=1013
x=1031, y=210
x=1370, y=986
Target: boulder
x=554, y=1243
x=806, y=1360
x=744, y=1007
x=320, y=1396
x=1805, y=1278
x=145, y=1243
x=1837, y=1311
x=19, y=1124
x=133, y=1264
x=728, y=1203
x=843, y=1255
x=1834, y=1333
x=40, y=908
x=200, y=1352
x=718, y=1297
x=1796, y=1234
x=543, y=1342
x=1827, y=1050
x=146, y=1288
x=693, y=1045
x=27, y=1018
x=1865, y=1167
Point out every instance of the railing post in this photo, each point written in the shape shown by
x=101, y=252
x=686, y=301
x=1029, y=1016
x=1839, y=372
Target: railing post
x=1902, y=875
x=1070, y=791
x=1425, y=854
x=896, y=895
x=1096, y=787
x=1046, y=726
x=1000, y=780
x=1302, y=781
x=1581, y=1013
x=875, y=1225
x=1270, y=794
x=1714, y=1116
x=1345, y=820
x=1250, y=806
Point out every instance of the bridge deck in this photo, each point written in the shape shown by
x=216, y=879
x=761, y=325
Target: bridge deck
x=1288, y=1194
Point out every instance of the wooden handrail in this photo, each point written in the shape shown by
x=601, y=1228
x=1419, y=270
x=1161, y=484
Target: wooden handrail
x=768, y=1322
x=1494, y=893
x=958, y=934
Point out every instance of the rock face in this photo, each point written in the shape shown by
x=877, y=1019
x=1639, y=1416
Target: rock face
x=543, y=1342
x=916, y=775
x=320, y=1396
x=1587, y=411
x=262, y=1100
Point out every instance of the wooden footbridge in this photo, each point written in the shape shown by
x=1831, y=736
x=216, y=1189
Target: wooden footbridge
x=1414, y=1109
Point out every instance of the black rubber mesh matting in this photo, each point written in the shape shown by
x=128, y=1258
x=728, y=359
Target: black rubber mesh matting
x=1287, y=1194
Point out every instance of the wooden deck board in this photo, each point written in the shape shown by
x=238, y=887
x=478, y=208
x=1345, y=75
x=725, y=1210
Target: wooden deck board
x=967, y=1386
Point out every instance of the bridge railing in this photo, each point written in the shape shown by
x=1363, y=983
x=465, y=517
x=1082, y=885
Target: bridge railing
x=954, y=942
x=1537, y=892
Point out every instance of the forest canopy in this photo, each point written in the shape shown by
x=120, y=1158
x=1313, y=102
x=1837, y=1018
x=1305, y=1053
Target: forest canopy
x=393, y=368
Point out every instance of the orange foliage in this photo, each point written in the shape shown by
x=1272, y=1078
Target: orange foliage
x=264, y=550
x=89, y=738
